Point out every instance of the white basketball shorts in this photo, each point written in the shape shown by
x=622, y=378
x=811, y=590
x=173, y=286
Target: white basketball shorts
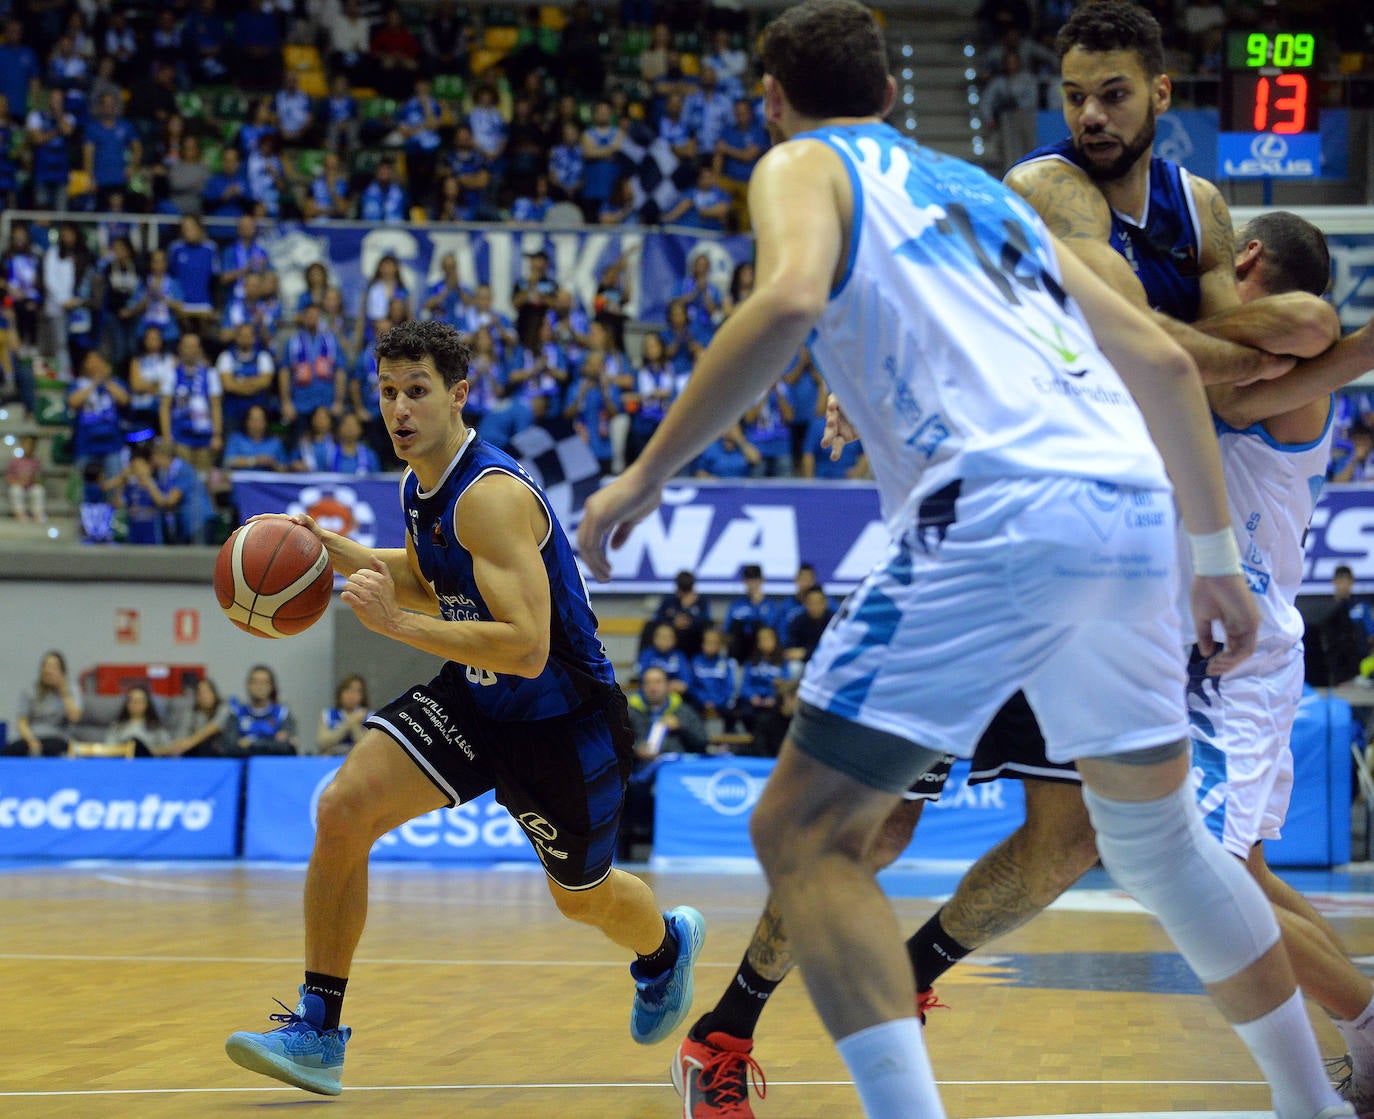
x=1060, y=587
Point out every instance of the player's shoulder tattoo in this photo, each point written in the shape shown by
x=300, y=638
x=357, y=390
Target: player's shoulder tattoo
x=1218, y=233
x=1064, y=197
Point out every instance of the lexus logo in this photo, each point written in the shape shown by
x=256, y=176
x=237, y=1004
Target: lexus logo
x=1268, y=146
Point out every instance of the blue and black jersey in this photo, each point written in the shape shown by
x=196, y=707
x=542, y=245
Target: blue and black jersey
x=1165, y=249
x=578, y=670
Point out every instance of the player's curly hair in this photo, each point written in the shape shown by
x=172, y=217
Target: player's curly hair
x=415, y=340
x=829, y=58
x=1114, y=25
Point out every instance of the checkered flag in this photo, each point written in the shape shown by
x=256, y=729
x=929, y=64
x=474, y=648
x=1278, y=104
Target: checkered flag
x=564, y=468
x=656, y=175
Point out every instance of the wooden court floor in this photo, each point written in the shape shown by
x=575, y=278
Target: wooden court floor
x=471, y=996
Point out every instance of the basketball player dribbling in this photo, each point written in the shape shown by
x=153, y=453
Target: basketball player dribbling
x=1027, y=507
x=526, y=703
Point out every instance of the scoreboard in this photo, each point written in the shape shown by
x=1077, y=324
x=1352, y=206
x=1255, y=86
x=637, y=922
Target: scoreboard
x=1269, y=107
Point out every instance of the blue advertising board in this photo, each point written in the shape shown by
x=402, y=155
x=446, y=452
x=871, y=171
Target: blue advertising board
x=1263, y=155
x=702, y=807
x=1317, y=830
x=284, y=796
x=154, y=808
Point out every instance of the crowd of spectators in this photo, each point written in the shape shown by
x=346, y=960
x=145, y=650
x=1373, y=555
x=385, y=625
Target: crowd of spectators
x=54, y=717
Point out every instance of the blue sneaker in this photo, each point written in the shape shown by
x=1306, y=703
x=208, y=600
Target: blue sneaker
x=662, y=1003
x=298, y=1052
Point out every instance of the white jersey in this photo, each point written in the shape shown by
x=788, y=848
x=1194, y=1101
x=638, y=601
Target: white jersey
x=1271, y=488
x=950, y=342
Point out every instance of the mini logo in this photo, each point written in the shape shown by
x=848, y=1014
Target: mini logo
x=731, y=792
x=1268, y=146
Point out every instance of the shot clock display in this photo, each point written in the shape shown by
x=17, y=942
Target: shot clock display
x=1268, y=85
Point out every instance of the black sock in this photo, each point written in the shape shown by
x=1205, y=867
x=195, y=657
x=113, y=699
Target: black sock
x=331, y=989
x=739, y=1008
x=661, y=958
x=933, y=952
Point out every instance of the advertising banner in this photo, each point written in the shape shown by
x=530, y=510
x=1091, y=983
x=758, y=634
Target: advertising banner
x=702, y=807
x=96, y=808
x=1317, y=830
x=284, y=796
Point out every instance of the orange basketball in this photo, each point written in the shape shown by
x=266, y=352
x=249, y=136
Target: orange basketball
x=273, y=578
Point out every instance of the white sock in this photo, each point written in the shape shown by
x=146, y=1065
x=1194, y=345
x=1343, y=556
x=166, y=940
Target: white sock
x=1285, y=1049
x=1359, y=1039
x=891, y=1071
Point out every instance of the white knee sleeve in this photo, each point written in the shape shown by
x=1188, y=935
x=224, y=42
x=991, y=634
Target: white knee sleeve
x=1160, y=852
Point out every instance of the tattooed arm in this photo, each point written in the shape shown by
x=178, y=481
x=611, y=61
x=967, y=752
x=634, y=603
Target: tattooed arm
x=1074, y=209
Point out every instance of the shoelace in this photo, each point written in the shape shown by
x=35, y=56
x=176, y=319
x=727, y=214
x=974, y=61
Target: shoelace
x=726, y=1075
x=290, y=1018
x=927, y=1000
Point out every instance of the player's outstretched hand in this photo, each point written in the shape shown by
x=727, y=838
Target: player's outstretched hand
x=1225, y=599
x=838, y=429
x=371, y=593
x=608, y=517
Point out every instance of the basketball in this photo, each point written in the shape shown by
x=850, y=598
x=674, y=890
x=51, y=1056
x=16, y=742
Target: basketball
x=273, y=578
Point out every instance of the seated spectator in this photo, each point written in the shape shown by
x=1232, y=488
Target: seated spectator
x=66, y=300
x=96, y=401
x=316, y=284
x=489, y=131
x=207, y=731
x=140, y=722
x=676, y=131
x=749, y=613
x=730, y=456
x=710, y=109
x=192, y=415
x=473, y=172
x=150, y=372
x=46, y=712
x=24, y=482
x=684, y=340
x=772, y=723
x=567, y=167
x=316, y=448
x=445, y=297
x=194, y=263
x=111, y=148
x=704, y=207
x=715, y=679
x=386, y=286
x=243, y=255
x=805, y=629
x=762, y=670
x=1353, y=461
x=420, y=119
x=253, y=446
x=570, y=325
x=697, y=293
x=593, y=401
x=330, y=195
x=69, y=71
x=730, y=63
x=601, y=145
x=481, y=317
x=766, y=427
x=50, y=131
x=656, y=388
x=395, y=56
x=226, y=193
x=740, y=147
x=21, y=281
x=341, y=123
x=334, y=318
x=158, y=301
x=96, y=511
x=533, y=297
x=266, y=175
x=663, y=722
x=312, y=373
x=180, y=496
x=806, y=394
x=542, y=369
x=508, y=418
x=351, y=454
x=257, y=307
x=686, y=611
x=247, y=377
x=662, y=652
x=533, y=207
x=486, y=378
x=165, y=43
x=342, y=725
x=263, y=724
x=294, y=113
x=187, y=177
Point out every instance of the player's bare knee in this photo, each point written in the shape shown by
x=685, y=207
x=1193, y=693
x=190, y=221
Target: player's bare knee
x=348, y=812
x=894, y=836
x=582, y=906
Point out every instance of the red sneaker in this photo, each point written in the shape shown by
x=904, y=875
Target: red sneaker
x=713, y=1077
